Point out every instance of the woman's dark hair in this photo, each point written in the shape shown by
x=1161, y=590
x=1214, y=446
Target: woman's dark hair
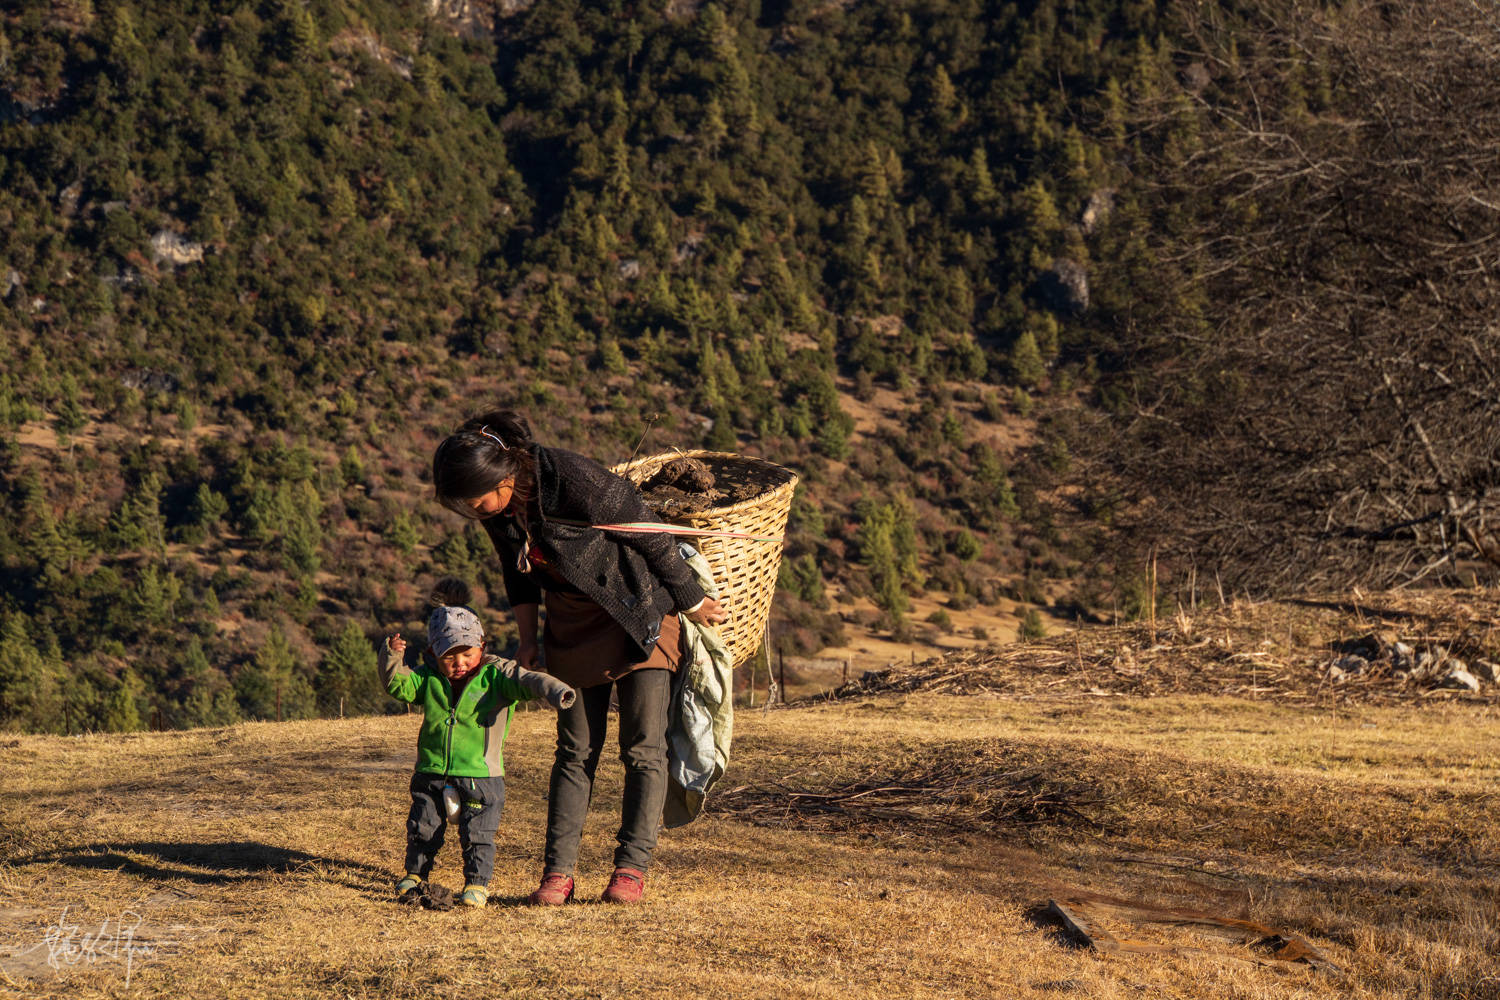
x=450, y=591
x=483, y=451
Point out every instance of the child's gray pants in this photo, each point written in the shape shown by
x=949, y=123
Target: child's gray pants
x=481, y=800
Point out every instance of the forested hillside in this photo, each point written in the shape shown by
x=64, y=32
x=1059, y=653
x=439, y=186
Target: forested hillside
x=940, y=257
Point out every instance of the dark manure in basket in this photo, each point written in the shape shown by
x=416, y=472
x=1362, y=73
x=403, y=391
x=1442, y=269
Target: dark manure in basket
x=686, y=474
x=686, y=486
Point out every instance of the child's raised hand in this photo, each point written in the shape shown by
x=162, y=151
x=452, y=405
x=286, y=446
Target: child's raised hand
x=396, y=643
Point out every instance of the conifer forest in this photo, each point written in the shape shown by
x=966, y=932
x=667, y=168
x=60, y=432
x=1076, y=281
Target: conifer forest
x=1085, y=305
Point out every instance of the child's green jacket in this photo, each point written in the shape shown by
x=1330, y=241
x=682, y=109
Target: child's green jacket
x=463, y=736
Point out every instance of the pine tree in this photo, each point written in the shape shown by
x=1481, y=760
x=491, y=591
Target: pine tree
x=833, y=436
x=721, y=436
x=617, y=173
x=871, y=180
x=70, y=415
x=611, y=358
x=393, y=199
x=208, y=507
x=272, y=686
x=300, y=31
x=401, y=534
x=877, y=552
x=1041, y=218
x=209, y=697
x=966, y=546
x=81, y=703
x=904, y=543
x=942, y=98
x=1026, y=364
x=425, y=75
x=155, y=596
x=982, y=191
x=346, y=677
x=713, y=130
x=351, y=468
x=340, y=199
x=56, y=546
x=127, y=56
x=120, y=712
x=138, y=523
x=30, y=697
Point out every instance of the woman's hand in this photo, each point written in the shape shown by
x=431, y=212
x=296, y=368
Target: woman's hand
x=527, y=616
x=397, y=644
x=710, y=612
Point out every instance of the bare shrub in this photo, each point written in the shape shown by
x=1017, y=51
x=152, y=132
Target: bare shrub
x=1313, y=394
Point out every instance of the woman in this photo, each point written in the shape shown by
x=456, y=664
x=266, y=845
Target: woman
x=612, y=606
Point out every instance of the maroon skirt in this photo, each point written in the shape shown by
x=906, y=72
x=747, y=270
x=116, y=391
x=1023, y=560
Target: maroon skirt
x=584, y=646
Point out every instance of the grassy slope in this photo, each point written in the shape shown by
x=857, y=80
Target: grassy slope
x=260, y=857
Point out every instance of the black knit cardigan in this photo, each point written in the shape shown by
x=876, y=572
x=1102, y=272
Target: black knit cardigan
x=636, y=578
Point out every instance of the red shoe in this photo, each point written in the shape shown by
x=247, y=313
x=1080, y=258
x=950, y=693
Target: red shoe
x=626, y=885
x=555, y=890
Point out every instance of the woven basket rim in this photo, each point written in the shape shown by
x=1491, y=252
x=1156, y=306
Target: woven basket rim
x=751, y=587
x=774, y=489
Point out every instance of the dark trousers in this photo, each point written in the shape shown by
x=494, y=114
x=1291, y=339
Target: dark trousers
x=643, y=697
x=481, y=800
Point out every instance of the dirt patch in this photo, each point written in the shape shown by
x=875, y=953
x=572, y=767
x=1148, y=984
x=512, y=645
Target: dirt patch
x=885, y=412
x=871, y=644
x=97, y=433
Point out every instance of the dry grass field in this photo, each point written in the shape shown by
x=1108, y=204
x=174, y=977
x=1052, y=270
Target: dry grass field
x=902, y=838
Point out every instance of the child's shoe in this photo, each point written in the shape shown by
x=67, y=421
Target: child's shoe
x=409, y=889
x=474, y=895
x=626, y=885
x=555, y=890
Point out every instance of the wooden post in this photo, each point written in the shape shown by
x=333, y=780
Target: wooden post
x=1151, y=582
x=770, y=680
x=846, y=671
x=781, y=672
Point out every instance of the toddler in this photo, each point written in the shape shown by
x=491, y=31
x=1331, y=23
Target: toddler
x=467, y=698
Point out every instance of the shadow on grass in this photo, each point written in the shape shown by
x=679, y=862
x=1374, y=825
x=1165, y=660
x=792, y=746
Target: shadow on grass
x=1044, y=918
x=1353, y=608
x=512, y=902
x=225, y=863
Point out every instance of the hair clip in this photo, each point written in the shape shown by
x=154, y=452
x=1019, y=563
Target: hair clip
x=485, y=430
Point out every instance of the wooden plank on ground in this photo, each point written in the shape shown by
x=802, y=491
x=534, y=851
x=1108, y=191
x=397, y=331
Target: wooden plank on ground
x=1084, y=916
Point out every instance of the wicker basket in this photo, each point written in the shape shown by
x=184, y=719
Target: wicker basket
x=745, y=570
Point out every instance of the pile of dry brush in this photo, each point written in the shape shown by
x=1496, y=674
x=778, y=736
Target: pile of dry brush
x=1275, y=650
x=963, y=788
